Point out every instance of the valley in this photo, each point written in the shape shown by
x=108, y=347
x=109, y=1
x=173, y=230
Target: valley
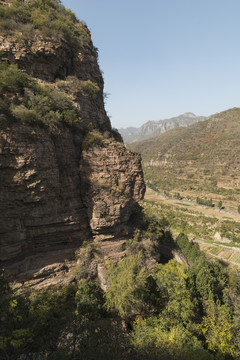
x=200, y=161
x=213, y=229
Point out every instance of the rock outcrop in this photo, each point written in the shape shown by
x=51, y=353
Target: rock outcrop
x=56, y=190
x=114, y=185
x=40, y=187
x=67, y=68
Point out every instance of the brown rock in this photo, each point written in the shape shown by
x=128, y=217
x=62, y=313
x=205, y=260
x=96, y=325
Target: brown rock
x=114, y=185
x=54, y=194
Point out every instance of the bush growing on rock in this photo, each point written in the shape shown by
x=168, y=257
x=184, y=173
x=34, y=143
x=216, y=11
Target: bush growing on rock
x=48, y=17
x=23, y=99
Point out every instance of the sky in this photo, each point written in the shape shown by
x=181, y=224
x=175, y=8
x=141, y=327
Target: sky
x=162, y=58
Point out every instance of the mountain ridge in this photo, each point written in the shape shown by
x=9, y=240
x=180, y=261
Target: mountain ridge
x=155, y=127
x=196, y=161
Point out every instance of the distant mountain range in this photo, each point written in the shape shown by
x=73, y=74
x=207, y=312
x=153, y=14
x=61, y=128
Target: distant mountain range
x=154, y=128
x=201, y=160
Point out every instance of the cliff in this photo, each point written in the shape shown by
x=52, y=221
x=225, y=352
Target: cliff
x=65, y=176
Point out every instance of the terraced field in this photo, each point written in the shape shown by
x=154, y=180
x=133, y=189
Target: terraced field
x=217, y=231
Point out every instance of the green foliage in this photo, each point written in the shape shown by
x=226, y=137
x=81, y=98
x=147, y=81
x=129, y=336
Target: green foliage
x=153, y=339
x=90, y=300
x=49, y=312
x=93, y=138
x=157, y=229
x=178, y=196
x=49, y=18
x=171, y=280
x=127, y=285
x=15, y=335
x=187, y=314
x=189, y=249
x=208, y=279
x=206, y=202
x=23, y=99
x=134, y=240
x=218, y=329
x=90, y=88
x=13, y=81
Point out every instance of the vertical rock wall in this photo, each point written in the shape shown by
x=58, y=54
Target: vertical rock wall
x=53, y=187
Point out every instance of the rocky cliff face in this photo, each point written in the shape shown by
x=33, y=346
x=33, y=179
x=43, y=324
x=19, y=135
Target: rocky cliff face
x=40, y=188
x=52, y=62
x=56, y=186
x=114, y=184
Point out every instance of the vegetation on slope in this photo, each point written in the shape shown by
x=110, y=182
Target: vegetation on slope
x=200, y=161
x=47, y=18
x=170, y=312
x=23, y=99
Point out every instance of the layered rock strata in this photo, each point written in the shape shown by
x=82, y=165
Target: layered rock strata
x=54, y=190
x=114, y=184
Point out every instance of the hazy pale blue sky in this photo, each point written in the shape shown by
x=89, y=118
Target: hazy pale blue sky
x=161, y=58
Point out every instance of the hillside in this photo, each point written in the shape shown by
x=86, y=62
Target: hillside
x=154, y=128
x=201, y=160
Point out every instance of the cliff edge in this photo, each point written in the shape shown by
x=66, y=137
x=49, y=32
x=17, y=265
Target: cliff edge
x=65, y=175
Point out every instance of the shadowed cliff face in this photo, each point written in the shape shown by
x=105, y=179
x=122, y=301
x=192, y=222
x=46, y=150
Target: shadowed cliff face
x=40, y=188
x=52, y=186
x=51, y=189
x=114, y=184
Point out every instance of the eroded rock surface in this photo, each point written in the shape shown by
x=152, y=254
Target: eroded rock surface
x=54, y=191
x=114, y=185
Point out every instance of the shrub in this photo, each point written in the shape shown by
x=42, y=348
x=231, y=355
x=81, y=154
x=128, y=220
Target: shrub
x=22, y=98
x=206, y=202
x=25, y=115
x=12, y=80
x=90, y=88
x=93, y=138
x=90, y=300
x=47, y=16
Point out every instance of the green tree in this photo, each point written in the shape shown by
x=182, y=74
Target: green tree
x=127, y=285
x=171, y=280
x=218, y=329
x=154, y=339
x=15, y=335
x=89, y=299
